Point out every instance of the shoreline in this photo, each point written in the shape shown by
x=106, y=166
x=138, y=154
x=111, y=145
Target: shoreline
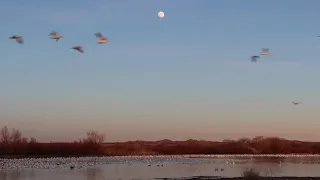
x=166, y=156
x=241, y=178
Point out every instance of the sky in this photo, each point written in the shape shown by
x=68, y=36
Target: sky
x=187, y=76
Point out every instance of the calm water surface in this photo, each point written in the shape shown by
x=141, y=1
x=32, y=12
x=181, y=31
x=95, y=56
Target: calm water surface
x=148, y=168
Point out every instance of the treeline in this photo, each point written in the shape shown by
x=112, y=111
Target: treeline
x=14, y=144
x=257, y=145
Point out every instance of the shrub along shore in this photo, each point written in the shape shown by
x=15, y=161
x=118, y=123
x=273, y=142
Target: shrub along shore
x=14, y=145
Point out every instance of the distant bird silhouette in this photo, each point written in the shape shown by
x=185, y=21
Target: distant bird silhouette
x=265, y=51
x=18, y=38
x=55, y=35
x=78, y=48
x=101, y=38
x=296, y=103
x=254, y=58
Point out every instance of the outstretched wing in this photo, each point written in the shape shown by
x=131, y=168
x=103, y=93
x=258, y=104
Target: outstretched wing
x=265, y=51
x=296, y=103
x=254, y=58
x=20, y=41
x=80, y=50
x=53, y=33
x=100, y=36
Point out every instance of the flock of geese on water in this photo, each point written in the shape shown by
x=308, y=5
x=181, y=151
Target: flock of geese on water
x=74, y=163
x=80, y=162
x=56, y=36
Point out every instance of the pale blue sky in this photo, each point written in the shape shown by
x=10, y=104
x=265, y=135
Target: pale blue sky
x=186, y=76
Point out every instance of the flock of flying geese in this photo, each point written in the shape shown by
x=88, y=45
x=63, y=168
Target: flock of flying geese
x=265, y=51
x=55, y=35
x=102, y=39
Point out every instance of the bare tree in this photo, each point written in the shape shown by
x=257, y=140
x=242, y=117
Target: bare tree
x=258, y=139
x=33, y=140
x=244, y=140
x=16, y=136
x=24, y=140
x=95, y=137
x=4, y=135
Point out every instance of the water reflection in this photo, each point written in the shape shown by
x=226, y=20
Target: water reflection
x=3, y=175
x=149, y=168
x=17, y=175
x=94, y=174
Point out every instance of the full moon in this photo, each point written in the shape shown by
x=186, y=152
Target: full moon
x=161, y=14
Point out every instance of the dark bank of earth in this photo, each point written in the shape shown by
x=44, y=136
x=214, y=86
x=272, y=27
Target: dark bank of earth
x=241, y=178
x=14, y=145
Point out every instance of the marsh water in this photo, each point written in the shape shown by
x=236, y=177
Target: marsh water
x=126, y=168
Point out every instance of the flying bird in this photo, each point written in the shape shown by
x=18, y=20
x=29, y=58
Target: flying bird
x=18, y=38
x=254, y=58
x=78, y=48
x=101, y=38
x=55, y=35
x=296, y=103
x=265, y=51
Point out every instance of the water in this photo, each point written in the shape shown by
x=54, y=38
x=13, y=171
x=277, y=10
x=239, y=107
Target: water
x=126, y=168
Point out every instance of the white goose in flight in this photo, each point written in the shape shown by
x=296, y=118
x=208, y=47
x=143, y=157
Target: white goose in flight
x=254, y=58
x=296, y=103
x=265, y=51
x=101, y=38
x=78, y=48
x=55, y=35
